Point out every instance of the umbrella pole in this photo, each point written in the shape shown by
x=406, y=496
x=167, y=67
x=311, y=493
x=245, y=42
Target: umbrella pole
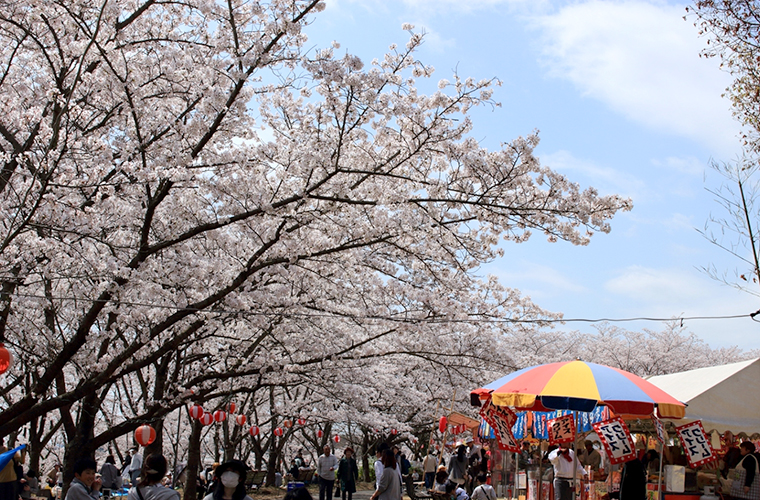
x=575, y=454
x=517, y=476
x=659, y=477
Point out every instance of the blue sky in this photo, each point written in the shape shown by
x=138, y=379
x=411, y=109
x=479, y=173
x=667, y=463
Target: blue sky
x=624, y=103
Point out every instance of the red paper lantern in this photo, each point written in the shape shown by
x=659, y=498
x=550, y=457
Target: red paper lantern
x=278, y=431
x=196, y=411
x=394, y=432
x=301, y=421
x=145, y=435
x=232, y=407
x=336, y=438
x=240, y=419
x=320, y=433
x=6, y=359
x=442, y=423
x=220, y=416
x=253, y=431
x=206, y=419
x=287, y=424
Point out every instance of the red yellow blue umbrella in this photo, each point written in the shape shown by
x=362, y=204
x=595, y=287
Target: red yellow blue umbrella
x=578, y=385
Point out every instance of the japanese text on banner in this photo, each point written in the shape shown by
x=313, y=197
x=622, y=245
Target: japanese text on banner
x=696, y=444
x=501, y=421
x=562, y=430
x=616, y=440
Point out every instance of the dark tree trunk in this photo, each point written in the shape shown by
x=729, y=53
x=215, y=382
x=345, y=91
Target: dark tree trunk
x=193, y=461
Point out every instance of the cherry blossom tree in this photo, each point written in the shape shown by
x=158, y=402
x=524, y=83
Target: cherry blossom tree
x=194, y=207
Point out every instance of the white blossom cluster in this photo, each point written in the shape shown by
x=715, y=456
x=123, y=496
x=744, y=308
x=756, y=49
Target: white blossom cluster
x=194, y=208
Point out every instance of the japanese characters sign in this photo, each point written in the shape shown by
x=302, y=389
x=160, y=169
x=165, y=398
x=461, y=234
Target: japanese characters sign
x=562, y=430
x=661, y=436
x=501, y=421
x=696, y=443
x=616, y=440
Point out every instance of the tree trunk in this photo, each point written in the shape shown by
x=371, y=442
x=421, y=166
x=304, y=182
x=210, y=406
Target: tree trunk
x=193, y=461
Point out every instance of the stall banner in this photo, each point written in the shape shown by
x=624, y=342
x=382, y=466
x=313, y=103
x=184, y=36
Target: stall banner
x=616, y=440
x=519, y=430
x=661, y=436
x=562, y=430
x=501, y=420
x=696, y=443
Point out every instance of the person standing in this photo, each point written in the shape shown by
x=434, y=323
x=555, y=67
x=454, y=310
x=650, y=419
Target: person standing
x=85, y=485
x=633, y=480
x=379, y=462
x=458, y=465
x=389, y=484
x=483, y=491
x=327, y=464
x=135, y=466
x=747, y=485
x=589, y=456
x=348, y=474
x=562, y=459
x=429, y=465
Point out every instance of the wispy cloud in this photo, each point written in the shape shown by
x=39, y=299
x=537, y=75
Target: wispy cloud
x=606, y=179
x=642, y=60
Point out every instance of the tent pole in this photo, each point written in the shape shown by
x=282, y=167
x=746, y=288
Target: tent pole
x=445, y=432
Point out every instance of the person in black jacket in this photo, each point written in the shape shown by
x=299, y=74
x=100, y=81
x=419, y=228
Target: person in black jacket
x=633, y=481
x=348, y=474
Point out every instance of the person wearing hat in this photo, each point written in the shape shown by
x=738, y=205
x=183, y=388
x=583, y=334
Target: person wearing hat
x=348, y=474
x=229, y=482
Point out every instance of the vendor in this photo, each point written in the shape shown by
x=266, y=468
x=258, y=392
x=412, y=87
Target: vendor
x=747, y=486
x=562, y=459
x=589, y=456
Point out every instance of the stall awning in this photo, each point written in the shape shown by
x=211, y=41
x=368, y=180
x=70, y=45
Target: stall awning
x=723, y=397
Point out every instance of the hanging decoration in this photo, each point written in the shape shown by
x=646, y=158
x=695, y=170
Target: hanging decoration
x=320, y=433
x=253, y=431
x=278, y=431
x=442, y=423
x=287, y=424
x=696, y=443
x=336, y=438
x=196, y=411
x=501, y=421
x=661, y=435
x=561, y=430
x=220, y=416
x=206, y=419
x=301, y=421
x=145, y=434
x=616, y=439
x=241, y=419
x=394, y=432
x=6, y=359
x=232, y=407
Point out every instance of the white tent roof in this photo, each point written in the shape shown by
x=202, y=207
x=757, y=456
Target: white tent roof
x=724, y=398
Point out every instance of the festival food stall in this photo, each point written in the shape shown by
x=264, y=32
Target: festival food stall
x=578, y=387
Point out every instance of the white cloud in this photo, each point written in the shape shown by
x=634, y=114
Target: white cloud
x=533, y=279
x=643, y=61
x=689, y=165
x=607, y=180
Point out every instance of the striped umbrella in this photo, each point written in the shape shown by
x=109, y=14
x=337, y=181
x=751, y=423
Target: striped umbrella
x=581, y=386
